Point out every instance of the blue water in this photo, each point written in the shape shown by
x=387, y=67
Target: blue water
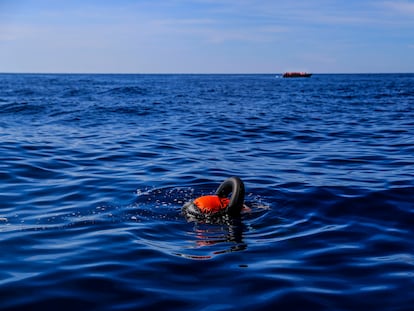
x=94, y=170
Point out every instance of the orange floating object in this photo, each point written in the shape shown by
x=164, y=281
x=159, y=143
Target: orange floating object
x=211, y=203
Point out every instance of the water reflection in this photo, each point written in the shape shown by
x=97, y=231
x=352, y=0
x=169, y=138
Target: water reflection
x=215, y=239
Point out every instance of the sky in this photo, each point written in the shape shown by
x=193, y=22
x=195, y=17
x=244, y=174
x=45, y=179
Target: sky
x=206, y=36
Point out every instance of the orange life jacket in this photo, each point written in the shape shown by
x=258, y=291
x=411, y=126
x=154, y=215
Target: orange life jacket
x=211, y=203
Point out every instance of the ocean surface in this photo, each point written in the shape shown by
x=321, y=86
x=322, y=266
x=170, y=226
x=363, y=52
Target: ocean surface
x=94, y=171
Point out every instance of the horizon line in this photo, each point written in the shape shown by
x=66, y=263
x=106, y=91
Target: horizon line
x=195, y=73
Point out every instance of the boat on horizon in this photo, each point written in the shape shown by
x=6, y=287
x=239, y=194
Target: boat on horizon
x=296, y=75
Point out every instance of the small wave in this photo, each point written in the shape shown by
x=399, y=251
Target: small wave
x=23, y=108
x=75, y=92
x=126, y=91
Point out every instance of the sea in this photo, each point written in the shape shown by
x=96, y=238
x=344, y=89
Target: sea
x=95, y=169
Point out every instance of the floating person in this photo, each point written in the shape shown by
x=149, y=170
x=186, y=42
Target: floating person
x=220, y=204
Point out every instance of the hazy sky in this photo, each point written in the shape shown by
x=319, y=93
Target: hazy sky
x=206, y=36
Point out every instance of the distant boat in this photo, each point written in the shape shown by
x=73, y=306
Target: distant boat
x=296, y=75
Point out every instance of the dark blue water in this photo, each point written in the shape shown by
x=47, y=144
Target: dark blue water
x=94, y=170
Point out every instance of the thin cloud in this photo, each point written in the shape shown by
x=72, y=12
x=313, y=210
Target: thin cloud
x=401, y=7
